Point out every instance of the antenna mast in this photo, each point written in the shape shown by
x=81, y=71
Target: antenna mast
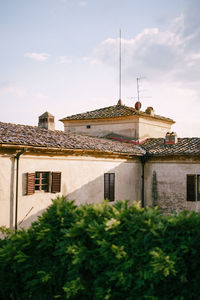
x=138, y=104
x=120, y=65
x=138, y=89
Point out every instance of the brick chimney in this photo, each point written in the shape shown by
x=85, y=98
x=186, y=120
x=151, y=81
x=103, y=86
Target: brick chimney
x=46, y=121
x=171, y=138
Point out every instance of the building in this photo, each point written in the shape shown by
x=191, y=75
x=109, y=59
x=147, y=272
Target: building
x=119, y=119
x=115, y=152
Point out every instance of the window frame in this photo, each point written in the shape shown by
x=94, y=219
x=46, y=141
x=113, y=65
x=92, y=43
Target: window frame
x=41, y=178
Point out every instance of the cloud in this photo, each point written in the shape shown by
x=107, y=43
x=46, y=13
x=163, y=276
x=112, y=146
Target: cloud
x=41, y=96
x=170, y=54
x=91, y=60
x=11, y=88
x=37, y=56
x=83, y=3
x=64, y=60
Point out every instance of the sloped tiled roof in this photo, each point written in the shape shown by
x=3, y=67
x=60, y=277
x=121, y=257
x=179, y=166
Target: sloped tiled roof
x=12, y=134
x=157, y=146
x=113, y=112
x=184, y=146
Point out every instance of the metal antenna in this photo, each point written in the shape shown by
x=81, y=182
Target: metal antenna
x=120, y=65
x=138, y=87
x=137, y=98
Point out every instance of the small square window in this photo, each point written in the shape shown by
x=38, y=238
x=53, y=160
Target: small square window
x=88, y=126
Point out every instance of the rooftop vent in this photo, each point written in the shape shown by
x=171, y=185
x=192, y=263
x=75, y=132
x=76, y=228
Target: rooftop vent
x=46, y=121
x=150, y=111
x=171, y=138
x=119, y=102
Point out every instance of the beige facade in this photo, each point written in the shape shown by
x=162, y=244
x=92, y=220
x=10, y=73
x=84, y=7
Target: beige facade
x=82, y=179
x=134, y=127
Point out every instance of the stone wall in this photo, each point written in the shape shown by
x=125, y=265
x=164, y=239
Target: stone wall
x=166, y=184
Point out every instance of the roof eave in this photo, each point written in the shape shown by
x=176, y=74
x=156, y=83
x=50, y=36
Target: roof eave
x=70, y=151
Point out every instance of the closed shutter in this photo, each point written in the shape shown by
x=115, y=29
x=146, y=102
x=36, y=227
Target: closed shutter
x=106, y=185
x=112, y=187
x=30, y=183
x=56, y=182
x=198, y=187
x=109, y=186
x=191, y=187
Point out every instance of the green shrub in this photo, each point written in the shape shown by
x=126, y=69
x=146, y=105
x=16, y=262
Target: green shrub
x=102, y=252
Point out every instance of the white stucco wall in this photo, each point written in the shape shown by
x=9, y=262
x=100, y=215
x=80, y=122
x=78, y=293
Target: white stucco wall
x=101, y=128
x=7, y=187
x=133, y=127
x=153, y=128
x=82, y=180
x=166, y=185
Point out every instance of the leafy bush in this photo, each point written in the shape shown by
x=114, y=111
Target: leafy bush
x=102, y=252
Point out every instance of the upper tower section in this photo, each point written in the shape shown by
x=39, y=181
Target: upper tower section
x=119, y=119
x=46, y=120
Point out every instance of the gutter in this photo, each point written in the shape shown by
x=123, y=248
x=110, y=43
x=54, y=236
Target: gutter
x=71, y=151
x=17, y=156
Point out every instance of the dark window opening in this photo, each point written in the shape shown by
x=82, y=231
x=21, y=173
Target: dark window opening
x=193, y=187
x=88, y=126
x=109, y=186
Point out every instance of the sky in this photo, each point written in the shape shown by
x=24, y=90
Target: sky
x=62, y=56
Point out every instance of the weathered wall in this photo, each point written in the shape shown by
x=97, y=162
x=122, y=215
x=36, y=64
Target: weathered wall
x=7, y=187
x=153, y=128
x=133, y=127
x=165, y=185
x=82, y=180
x=101, y=128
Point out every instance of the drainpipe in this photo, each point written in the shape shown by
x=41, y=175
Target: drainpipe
x=17, y=156
x=143, y=161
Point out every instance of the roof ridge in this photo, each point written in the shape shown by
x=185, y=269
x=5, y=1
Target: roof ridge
x=113, y=111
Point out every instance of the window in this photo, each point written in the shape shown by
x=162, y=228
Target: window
x=193, y=187
x=43, y=181
x=109, y=186
x=88, y=126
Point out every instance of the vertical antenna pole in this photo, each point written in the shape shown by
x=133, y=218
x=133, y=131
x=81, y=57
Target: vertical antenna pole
x=120, y=65
x=138, y=91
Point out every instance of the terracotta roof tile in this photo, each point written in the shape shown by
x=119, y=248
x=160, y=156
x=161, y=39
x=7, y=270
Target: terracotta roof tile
x=113, y=112
x=157, y=146
x=184, y=146
x=38, y=137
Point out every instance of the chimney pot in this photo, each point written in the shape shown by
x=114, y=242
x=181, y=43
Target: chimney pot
x=150, y=111
x=46, y=121
x=171, y=138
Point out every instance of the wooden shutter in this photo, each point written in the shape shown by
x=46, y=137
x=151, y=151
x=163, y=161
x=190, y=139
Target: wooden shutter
x=30, y=183
x=191, y=187
x=56, y=182
x=109, y=186
x=198, y=187
x=112, y=187
x=106, y=186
